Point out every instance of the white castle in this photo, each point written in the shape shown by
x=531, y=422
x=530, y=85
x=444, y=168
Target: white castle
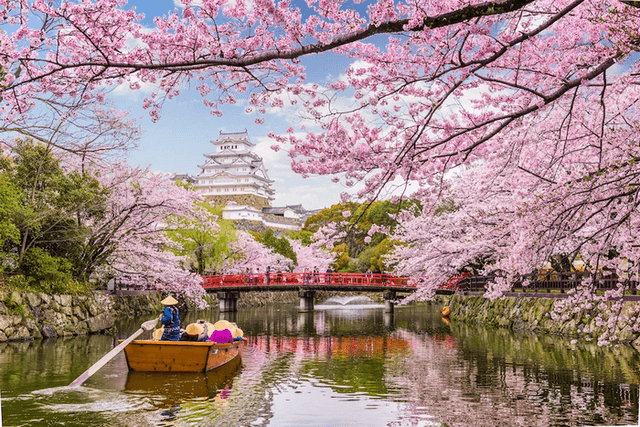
x=236, y=178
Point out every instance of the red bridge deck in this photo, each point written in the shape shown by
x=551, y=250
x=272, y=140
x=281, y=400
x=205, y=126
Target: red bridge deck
x=282, y=281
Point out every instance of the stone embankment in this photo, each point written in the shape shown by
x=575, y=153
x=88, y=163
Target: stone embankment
x=534, y=314
x=25, y=316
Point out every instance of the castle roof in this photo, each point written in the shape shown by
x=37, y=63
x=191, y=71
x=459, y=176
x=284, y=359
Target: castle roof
x=241, y=137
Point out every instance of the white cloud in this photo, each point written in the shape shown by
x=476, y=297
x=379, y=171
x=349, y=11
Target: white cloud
x=199, y=3
x=145, y=88
x=178, y=3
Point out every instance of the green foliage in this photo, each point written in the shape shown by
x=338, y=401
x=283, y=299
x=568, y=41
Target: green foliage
x=372, y=257
x=342, y=260
x=44, y=212
x=325, y=216
x=365, y=260
x=279, y=245
x=204, y=240
x=14, y=306
x=20, y=282
x=10, y=198
x=359, y=222
x=305, y=236
x=46, y=269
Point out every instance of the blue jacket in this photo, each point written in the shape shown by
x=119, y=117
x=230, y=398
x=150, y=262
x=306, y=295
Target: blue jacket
x=171, y=321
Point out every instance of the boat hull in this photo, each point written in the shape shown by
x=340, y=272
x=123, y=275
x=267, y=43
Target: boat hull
x=180, y=356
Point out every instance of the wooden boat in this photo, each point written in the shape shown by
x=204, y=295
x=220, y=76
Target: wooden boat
x=177, y=387
x=180, y=356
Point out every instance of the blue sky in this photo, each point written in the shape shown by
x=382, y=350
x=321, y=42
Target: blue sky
x=177, y=142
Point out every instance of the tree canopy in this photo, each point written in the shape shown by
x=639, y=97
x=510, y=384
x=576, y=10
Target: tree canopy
x=362, y=229
x=523, y=113
x=44, y=213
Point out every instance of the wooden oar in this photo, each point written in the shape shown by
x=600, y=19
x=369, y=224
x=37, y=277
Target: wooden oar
x=146, y=326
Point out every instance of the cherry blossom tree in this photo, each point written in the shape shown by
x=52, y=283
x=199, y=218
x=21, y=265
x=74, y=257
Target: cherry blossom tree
x=247, y=253
x=310, y=256
x=131, y=242
x=540, y=96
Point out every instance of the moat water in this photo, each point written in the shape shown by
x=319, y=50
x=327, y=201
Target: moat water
x=341, y=365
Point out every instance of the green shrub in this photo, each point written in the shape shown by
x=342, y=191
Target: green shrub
x=46, y=269
x=14, y=306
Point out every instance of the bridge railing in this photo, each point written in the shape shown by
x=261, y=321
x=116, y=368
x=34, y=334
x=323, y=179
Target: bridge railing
x=301, y=279
x=561, y=281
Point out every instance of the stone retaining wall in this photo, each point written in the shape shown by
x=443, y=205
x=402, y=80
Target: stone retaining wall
x=25, y=316
x=533, y=314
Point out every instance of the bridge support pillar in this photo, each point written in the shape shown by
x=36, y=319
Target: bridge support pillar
x=228, y=301
x=389, y=321
x=306, y=300
x=389, y=298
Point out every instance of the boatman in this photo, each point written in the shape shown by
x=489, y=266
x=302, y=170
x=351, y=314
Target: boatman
x=170, y=319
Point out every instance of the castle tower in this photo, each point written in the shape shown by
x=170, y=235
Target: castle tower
x=233, y=173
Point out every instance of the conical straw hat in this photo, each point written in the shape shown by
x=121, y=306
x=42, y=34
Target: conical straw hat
x=222, y=324
x=169, y=301
x=194, y=329
x=238, y=333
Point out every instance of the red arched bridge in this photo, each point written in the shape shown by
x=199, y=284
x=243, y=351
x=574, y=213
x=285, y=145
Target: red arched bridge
x=229, y=286
x=318, y=281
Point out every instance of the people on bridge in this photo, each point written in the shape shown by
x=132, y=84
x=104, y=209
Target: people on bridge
x=328, y=274
x=316, y=275
x=307, y=275
x=170, y=319
x=267, y=273
x=369, y=275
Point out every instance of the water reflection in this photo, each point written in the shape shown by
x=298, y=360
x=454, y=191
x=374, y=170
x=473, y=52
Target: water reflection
x=347, y=367
x=169, y=389
x=186, y=395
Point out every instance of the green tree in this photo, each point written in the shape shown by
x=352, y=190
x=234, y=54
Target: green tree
x=279, y=245
x=343, y=260
x=204, y=238
x=55, y=206
x=305, y=236
x=364, y=249
x=10, y=206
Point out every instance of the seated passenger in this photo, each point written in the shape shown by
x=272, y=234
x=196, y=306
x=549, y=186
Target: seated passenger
x=223, y=336
x=194, y=332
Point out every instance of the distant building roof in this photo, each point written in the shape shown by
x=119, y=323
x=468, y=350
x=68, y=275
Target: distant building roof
x=184, y=177
x=235, y=137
